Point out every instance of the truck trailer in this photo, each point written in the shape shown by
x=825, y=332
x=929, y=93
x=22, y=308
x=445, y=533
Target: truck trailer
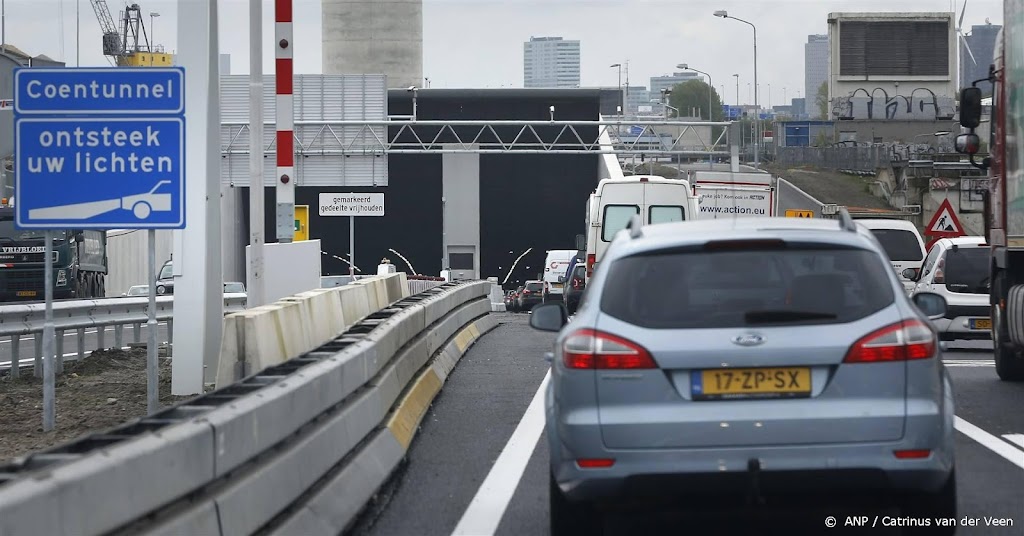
x=1004, y=199
x=79, y=262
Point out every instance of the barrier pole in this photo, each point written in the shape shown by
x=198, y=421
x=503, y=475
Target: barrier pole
x=152, y=365
x=49, y=342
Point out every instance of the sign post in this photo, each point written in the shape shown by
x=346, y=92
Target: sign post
x=100, y=149
x=352, y=205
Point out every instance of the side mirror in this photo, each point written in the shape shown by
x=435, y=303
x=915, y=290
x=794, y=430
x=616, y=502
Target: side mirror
x=932, y=305
x=910, y=273
x=549, y=317
x=124, y=294
x=581, y=242
x=79, y=236
x=970, y=107
x=968, y=144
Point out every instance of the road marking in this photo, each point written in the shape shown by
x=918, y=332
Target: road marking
x=969, y=362
x=485, y=511
x=1017, y=439
x=991, y=442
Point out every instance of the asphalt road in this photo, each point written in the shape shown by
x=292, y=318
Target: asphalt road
x=27, y=345
x=474, y=427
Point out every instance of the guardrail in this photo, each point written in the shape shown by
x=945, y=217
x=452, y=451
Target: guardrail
x=298, y=448
x=17, y=321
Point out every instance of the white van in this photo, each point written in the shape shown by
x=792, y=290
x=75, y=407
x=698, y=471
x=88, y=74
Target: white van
x=902, y=242
x=555, y=266
x=616, y=201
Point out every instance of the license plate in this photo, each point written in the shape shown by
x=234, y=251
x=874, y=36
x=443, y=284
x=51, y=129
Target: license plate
x=981, y=323
x=556, y=285
x=27, y=293
x=789, y=382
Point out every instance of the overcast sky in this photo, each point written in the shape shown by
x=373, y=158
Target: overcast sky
x=479, y=43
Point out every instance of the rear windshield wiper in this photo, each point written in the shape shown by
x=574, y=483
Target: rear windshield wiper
x=769, y=316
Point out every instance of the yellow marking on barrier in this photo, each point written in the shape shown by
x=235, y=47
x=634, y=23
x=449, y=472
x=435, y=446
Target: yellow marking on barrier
x=410, y=412
x=463, y=339
x=799, y=213
x=474, y=331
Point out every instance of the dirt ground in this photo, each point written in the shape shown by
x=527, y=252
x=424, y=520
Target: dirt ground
x=103, y=390
x=830, y=186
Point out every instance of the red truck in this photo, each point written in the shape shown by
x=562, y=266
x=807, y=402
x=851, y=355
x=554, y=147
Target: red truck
x=1004, y=225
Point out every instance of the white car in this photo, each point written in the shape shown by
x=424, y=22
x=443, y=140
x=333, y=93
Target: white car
x=136, y=290
x=958, y=269
x=903, y=244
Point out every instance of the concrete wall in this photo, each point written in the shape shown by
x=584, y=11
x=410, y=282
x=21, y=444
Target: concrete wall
x=372, y=37
x=904, y=132
x=891, y=96
x=460, y=178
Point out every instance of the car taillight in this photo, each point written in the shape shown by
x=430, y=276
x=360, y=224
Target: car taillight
x=591, y=260
x=590, y=349
x=902, y=341
x=526, y=292
x=576, y=284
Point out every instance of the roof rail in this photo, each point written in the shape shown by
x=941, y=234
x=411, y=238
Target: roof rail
x=634, y=226
x=846, y=222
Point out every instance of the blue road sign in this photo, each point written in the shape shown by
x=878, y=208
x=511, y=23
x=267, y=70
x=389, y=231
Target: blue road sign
x=99, y=148
x=110, y=90
x=100, y=173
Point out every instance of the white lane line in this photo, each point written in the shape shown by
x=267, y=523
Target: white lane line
x=991, y=442
x=969, y=363
x=1017, y=439
x=485, y=511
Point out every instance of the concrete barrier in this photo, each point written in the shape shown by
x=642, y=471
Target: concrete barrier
x=274, y=448
x=265, y=336
x=332, y=509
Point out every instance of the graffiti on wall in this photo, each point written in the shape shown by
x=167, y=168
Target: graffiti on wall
x=920, y=105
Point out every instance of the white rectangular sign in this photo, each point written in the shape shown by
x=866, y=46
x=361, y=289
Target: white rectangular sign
x=352, y=204
x=727, y=202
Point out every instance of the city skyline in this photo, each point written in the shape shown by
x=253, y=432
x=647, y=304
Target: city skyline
x=724, y=47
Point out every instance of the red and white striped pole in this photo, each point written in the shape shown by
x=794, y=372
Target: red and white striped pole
x=285, y=121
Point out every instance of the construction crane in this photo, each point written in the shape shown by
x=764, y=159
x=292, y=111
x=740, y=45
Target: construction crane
x=128, y=44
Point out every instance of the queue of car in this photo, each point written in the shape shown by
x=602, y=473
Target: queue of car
x=812, y=363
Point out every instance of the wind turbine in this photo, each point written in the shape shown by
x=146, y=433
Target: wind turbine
x=960, y=32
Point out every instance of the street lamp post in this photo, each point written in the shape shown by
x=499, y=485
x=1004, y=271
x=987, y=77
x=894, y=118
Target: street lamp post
x=622, y=103
x=686, y=67
x=737, y=90
x=757, y=142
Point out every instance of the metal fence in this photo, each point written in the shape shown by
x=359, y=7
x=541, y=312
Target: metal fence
x=868, y=158
x=82, y=317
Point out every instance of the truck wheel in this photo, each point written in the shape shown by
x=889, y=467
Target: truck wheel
x=1009, y=362
x=1015, y=315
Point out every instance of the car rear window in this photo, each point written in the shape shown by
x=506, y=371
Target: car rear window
x=899, y=245
x=534, y=286
x=579, y=272
x=966, y=270
x=666, y=213
x=702, y=289
x=616, y=218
